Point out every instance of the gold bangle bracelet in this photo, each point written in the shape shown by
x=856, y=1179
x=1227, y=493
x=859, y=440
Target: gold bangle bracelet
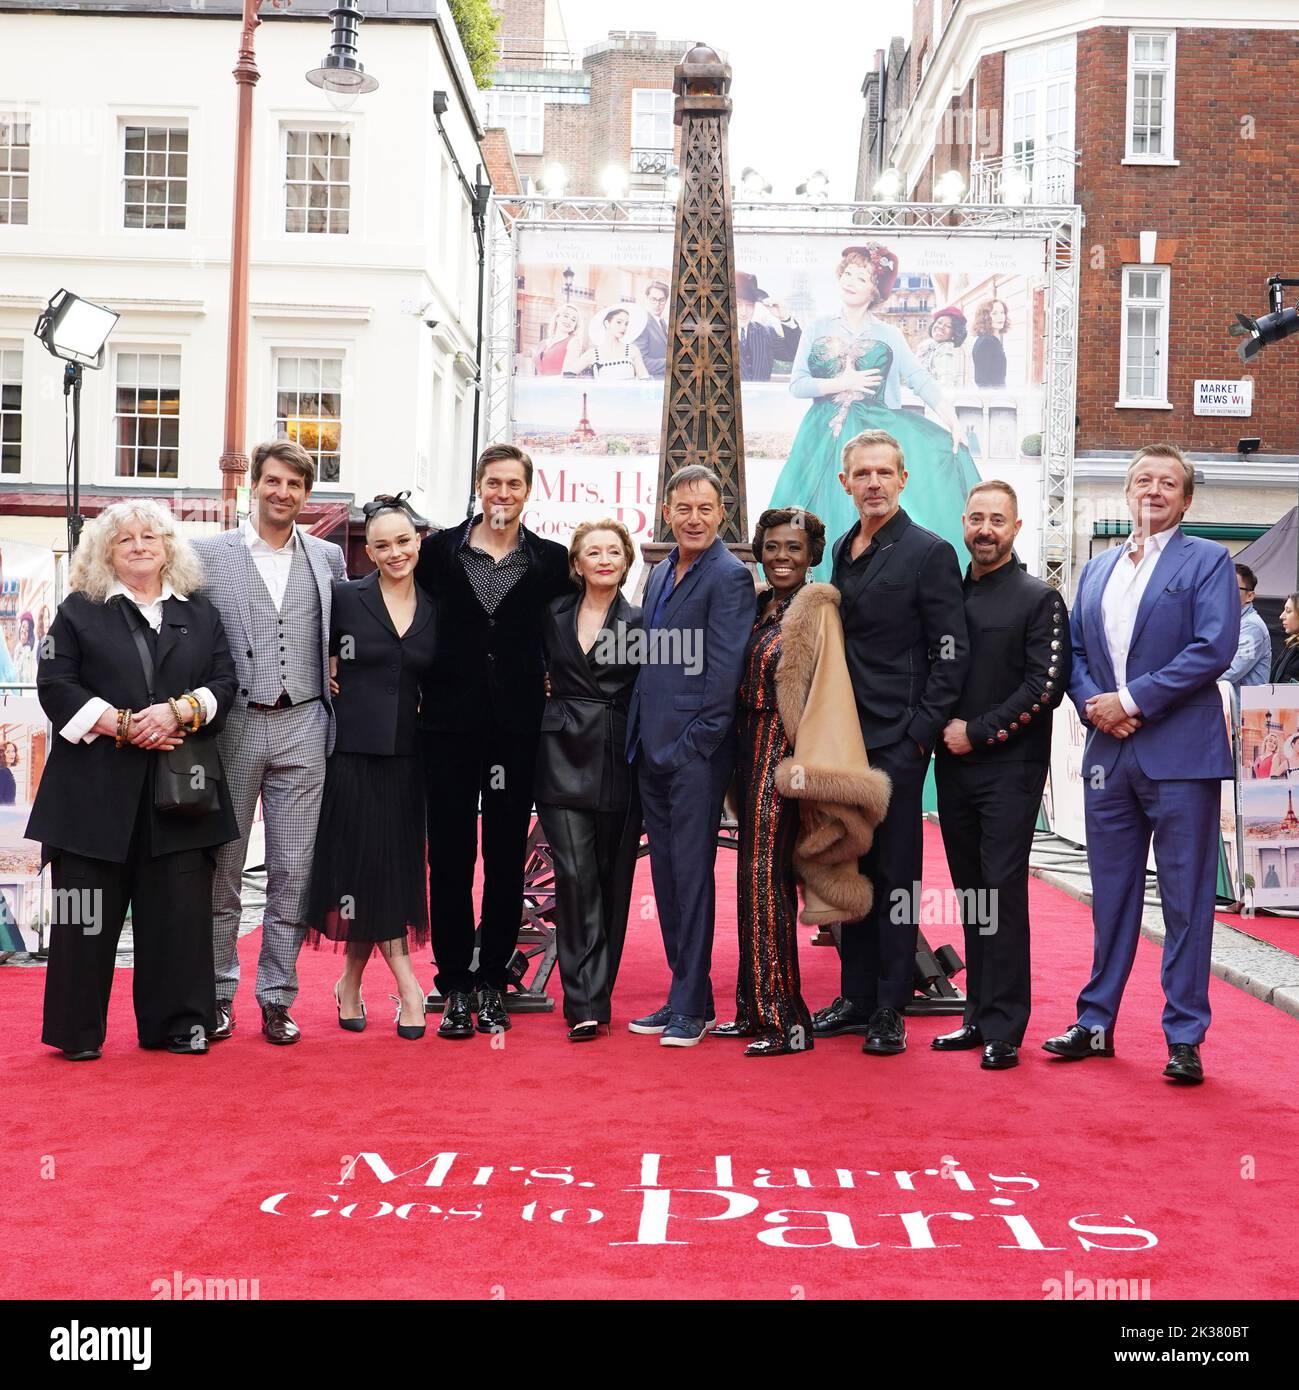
x=175, y=709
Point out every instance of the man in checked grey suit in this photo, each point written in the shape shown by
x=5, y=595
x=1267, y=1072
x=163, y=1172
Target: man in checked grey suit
x=270, y=581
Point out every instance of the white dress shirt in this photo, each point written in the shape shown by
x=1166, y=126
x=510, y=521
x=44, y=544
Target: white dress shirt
x=1120, y=601
x=273, y=565
x=80, y=728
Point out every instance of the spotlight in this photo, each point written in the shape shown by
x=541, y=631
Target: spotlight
x=75, y=329
x=753, y=184
x=614, y=181
x=888, y=187
x=1245, y=447
x=1015, y=188
x=672, y=184
x=1275, y=325
x=554, y=179
x=814, y=186
x=342, y=73
x=950, y=188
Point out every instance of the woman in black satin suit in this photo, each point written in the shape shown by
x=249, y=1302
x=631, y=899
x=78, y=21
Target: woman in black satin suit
x=585, y=791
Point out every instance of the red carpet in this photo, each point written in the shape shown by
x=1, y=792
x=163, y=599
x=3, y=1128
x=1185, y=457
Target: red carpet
x=783, y=1177
x=1278, y=931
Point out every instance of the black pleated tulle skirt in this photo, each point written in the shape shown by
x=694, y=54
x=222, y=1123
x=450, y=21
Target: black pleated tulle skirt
x=369, y=876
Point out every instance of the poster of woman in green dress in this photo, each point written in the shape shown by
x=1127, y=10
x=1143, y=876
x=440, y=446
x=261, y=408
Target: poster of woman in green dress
x=851, y=367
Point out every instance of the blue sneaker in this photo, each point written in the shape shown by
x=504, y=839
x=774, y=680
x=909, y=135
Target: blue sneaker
x=683, y=1031
x=651, y=1023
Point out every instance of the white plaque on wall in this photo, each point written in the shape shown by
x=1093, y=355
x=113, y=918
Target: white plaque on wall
x=1218, y=397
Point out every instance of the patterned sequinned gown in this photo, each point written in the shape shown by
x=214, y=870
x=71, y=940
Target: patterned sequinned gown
x=768, y=995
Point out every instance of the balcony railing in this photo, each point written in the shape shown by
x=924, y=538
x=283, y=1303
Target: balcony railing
x=1039, y=176
x=535, y=53
x=651, y=161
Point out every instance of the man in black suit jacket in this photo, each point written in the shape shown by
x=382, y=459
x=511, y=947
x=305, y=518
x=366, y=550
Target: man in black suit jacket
x=991, y=768
x=480, y=717
x=904, y=631
x=761, y=345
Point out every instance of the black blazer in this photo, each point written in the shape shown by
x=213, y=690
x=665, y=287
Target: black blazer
x=90, y=793
x=379, y=673
x=1286, y=667
x=487, y=669
x=581, y=759
x=903, y=617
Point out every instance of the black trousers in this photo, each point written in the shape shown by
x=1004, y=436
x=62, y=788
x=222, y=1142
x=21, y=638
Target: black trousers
x=988, y=812
x=878, y=952
x=594, y=854
x=173, y=982
x=460, y=767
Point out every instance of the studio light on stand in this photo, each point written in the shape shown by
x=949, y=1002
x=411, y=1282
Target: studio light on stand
x=74, y=330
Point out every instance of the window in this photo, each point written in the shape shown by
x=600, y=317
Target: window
x=147, y=419
x=11, y=410
x=15, y=165
x=155, y=176
x=1144, y=347
x=317, y=187
x=522, y=114
x=651, y=118
x=1151, y=59
x=308, y=408
x=1039, y=118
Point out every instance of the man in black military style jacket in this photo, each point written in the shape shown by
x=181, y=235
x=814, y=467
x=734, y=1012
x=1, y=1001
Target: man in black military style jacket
x=904, y=633
x=991, y=768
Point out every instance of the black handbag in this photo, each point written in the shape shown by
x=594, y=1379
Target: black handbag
x=186, y=780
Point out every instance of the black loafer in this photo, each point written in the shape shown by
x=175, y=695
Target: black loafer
x=492, y=1017
x=181, y=1044
x=887, y=1035
x=965, y=1039
x=999, y=1056
x=843, y=1016
x=89, y=1054
x=1184, y=1064
x=457, y=1021
x=1077, y=1042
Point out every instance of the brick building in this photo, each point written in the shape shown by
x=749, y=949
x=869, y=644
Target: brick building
x=1178, y=138
x=603, y=117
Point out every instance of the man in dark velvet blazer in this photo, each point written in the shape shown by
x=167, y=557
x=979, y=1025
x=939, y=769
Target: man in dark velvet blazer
x=480, y=719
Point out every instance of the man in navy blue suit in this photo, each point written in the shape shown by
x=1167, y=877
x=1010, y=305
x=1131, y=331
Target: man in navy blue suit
x=1155, y=623
x=698, y=610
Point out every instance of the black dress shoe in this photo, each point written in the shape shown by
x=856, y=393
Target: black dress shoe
x=225, y=1017
x=1077, y=1042
x=999, y=1056
x=492, y=1017
x=278, y=1026
x=180, y=1043
x=739, y=1028
x=88, y=1054
x=770, y=1045
x=1184, y=1064
x=586, y=1031
x=457, y=1021
x=965, y=1039
x=887, y=1034
x=839, y=1018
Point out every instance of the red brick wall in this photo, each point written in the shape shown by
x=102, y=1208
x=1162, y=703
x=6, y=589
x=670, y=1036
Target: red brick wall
x=614, y=75
x=990, y=85
x=1226, y=219
x=499, y=160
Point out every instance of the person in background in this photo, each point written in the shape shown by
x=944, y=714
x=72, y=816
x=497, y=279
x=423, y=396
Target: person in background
x=368, y=886
x=991, y=324
x=941, y=353
x=24, y=653
x=652, y=340
x=561, y=342
x=8, y=777
x=1252, y=664
x=134, y=581
x=762, y=344
x=586, y=794
x=611, y=358
x=1268, y=757
x=1286, y=667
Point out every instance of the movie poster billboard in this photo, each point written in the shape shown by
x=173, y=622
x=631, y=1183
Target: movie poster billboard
x=1269, y=790
x=938, y=339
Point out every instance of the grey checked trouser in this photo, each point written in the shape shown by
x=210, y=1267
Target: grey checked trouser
x=278, y=755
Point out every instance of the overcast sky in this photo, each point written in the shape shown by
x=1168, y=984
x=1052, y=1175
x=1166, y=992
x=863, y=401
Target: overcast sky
x=796, y=87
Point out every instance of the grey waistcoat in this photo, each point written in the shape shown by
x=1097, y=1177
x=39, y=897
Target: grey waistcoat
x=286, y=645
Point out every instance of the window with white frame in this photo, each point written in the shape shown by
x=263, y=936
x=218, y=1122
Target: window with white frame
x=11, y=410
x=1144, y=346
x=1039, y=117
x=155, y=176
x=317, y=181
x=651, y=118
x=146, y=422
x=15, y=167
x=1151, y=61
x=522, y=114
x=309, y=408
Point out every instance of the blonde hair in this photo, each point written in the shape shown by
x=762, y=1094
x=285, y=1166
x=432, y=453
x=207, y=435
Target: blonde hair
x=608, y=524
x=92, y=571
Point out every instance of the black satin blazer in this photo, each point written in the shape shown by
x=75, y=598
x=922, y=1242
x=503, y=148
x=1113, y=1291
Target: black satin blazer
x=581, y=762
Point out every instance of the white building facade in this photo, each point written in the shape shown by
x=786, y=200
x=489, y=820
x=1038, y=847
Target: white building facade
x=117, y=149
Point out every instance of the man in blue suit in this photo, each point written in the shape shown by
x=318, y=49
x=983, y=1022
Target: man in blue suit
x=1155, y=623
x=698, y=610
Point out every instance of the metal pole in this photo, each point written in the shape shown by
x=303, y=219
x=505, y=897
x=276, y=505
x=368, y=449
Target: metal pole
x=72, y=375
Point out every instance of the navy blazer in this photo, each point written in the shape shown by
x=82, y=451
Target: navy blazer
x=1185, y=636
x=683, y=705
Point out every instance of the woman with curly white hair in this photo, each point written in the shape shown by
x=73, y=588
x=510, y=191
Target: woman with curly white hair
x=136, y=678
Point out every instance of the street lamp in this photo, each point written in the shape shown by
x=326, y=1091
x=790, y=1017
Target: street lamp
x=342, y=71
x=567, y=278
x=75, y=331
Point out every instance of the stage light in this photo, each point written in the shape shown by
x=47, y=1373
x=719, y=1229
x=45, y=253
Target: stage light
x=950, y=188
x=614, y=181
x=753, y=184
x=75, y=329
x=554, y=179
x=888, y=187
x=341, y=73
x=1015, y=188
x=814, y=186
x=672, y=184
x=1277, y=324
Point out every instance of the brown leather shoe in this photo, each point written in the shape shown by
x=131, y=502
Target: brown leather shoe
x=277, y=1025
x=225, y=1017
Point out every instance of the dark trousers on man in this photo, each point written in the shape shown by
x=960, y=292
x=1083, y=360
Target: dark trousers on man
x=988, y=812
x=683, y=810
x=172, y=981
x=461, y=767
x=878, y=952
